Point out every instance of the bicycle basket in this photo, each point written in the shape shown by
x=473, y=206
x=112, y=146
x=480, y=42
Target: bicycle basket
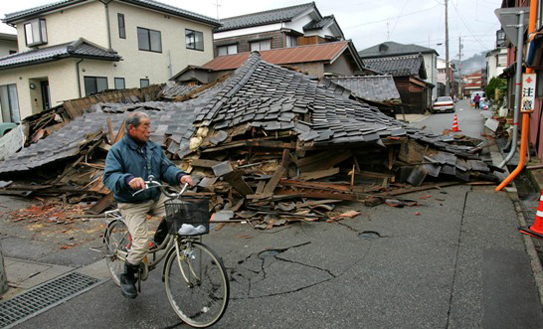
x=187, y=211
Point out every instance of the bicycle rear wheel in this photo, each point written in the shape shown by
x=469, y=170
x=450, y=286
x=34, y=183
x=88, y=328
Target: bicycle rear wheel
x=117, y=241
x=196, y=284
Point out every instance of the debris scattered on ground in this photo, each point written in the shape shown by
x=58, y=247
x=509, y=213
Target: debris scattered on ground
x=267, y=145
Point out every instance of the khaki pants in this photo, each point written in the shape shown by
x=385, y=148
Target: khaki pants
x=135, y=217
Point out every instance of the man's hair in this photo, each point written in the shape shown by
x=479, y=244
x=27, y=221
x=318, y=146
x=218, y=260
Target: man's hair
x=134, y=118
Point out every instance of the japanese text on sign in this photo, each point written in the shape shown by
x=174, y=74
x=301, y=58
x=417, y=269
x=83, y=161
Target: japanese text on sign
x=528, y=92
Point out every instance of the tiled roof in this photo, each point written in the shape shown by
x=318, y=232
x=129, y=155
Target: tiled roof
x=303, y=54
x=151, y=4
x=263, y=18
x=400, y=66
x=318, y=23
x=80, y=48
x=377, y=88
x=258, y=95
x=167, y=118
x=390, y=48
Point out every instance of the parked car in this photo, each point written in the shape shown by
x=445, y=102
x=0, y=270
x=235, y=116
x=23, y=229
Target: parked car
x=443, y=104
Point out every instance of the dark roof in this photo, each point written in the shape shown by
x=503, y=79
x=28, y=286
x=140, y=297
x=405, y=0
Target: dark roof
x=151, y=4
x=285, y=14
x=400, y=66
x=318, y=24
x=8, y=36
x=376, y=88
x=258, y=95
x=80, y=48
x=390, y=48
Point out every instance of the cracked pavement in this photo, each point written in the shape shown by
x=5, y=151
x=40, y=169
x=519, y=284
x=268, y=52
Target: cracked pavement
x=459, y=264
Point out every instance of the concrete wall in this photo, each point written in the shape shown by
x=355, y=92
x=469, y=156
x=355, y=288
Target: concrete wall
x=138, y=64
x=62, y=83
x=430, y=63
x=6, y=46
x=341, y=66
x=85, y=21
x=278, y=41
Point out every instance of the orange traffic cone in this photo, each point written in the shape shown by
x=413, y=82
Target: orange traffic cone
x=455, y=124
x=535, y=230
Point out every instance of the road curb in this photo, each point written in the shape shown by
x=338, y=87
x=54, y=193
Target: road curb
x=535, y=262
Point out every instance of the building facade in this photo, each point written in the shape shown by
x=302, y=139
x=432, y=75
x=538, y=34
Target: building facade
x=393, y=49
x=75, y=48
x=279, y=28
x=496, y=62
x=8, y=44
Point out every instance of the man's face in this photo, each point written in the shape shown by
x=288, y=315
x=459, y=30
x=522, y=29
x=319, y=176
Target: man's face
x=142, y=131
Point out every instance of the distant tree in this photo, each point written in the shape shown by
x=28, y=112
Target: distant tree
x=495, y=83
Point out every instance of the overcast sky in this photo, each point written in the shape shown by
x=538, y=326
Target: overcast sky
x=366, y=22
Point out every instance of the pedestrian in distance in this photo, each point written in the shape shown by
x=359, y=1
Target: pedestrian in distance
x=128, y=164
x=477, y=100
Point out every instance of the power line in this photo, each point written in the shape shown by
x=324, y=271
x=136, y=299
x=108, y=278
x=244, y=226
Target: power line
x=398, y=18
x=384, y=20
x=467, y=26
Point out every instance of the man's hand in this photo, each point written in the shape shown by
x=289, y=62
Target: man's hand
x=187, y=179
x=137, y=183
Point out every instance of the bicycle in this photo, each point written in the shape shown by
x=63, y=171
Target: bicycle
x=195, y=278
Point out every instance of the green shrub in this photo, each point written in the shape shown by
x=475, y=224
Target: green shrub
x=496, y=83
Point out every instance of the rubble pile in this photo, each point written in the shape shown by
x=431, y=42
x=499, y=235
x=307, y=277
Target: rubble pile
x=266, y=144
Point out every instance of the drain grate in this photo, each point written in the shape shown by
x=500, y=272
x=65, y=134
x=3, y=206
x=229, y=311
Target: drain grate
x=43, y=297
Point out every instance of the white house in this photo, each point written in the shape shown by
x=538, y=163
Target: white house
x=8, y=44
x=73, y=48
x=285, y=27
x=496, y=62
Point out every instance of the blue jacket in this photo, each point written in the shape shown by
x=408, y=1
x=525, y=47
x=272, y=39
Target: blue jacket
x=127, y=159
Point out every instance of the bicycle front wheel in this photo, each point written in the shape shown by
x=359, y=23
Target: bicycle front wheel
x=196, y=284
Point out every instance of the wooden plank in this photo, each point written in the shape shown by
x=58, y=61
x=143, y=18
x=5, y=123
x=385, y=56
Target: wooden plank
x=120, y=133
x=110, y=130
x=235, y=179
x=260, y=187
x=272, y=183
x=102, y=205
x=316, y=203
x=319, y=174
x=324, y=162
x=204, y=163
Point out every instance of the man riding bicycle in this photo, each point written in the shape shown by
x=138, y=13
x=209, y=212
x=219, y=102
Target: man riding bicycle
x=128, y=164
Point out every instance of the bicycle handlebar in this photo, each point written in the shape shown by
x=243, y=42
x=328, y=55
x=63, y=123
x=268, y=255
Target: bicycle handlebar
x=154, y=184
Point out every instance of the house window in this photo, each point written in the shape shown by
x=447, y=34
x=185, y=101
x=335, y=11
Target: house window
x=292, y=41
x=9, y=103
x=95, y=84
x=194, y=39
x=122, y=27
x=36, y=32
x=119, y=83
x=261, y=45
x=149, y=40
x=144, y=83
x=227, y=50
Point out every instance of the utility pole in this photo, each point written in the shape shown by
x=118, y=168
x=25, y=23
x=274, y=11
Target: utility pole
x=447, y=69
x=459, y=67
x=217, y=5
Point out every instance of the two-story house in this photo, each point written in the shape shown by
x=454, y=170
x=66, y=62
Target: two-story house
x=278, y=28
x=8, y=44
x=74, y=48
x=393, y=49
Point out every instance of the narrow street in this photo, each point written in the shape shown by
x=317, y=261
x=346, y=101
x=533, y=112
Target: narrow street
x=454, y=261
x=469, y=120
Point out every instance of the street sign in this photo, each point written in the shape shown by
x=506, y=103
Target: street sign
x=528, y=92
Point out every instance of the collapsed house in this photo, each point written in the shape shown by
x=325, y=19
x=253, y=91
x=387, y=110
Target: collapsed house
x=263, y=143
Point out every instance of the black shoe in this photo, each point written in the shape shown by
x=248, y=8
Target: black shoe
x=128, y=281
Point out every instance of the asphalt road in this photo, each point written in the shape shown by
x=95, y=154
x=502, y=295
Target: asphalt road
x=469, y=120
x=460, y=263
